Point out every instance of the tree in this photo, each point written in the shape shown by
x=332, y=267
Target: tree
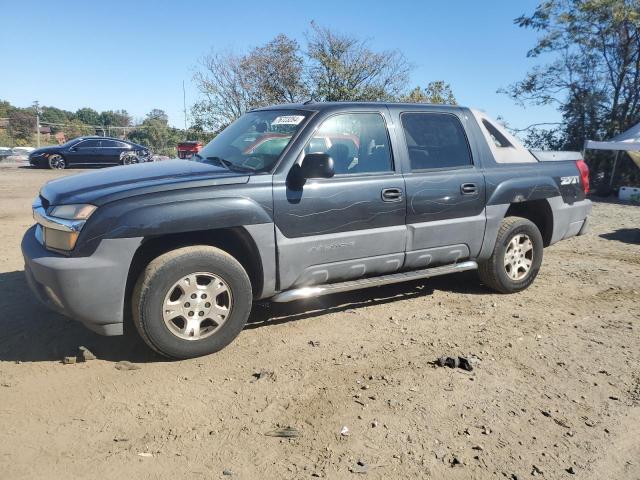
x=343, y=67
x=594, y=75
x=155, y=133
x=157, y=115
x=55, y=116
x=437, y=92
x=22, y=124
x=5, y=109
x=88, y=116
x=224, y=87
x=231, y=84
x=275, y=72
x=117, y=118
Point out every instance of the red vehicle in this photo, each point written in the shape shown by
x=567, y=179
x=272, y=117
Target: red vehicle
x=188, y=149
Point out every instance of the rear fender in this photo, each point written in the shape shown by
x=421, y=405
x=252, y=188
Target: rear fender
x=523, y=189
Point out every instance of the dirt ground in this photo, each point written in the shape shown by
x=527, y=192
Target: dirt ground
x=555, y=392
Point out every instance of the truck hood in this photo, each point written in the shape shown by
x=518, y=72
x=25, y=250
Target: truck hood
x=110, y=184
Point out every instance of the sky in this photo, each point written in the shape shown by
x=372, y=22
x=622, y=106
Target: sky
x=135, y=55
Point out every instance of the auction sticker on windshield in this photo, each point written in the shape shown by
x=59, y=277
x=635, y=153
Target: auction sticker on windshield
x=288, y=120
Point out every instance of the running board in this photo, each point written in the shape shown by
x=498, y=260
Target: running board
x=328, y=289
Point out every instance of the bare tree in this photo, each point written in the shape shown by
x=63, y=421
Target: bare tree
x=343, y=67
x=335, y=67
x=232, y=84
x=224, y=87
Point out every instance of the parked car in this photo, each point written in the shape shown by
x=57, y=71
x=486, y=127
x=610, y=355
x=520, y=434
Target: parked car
x=87, y=151
x=412, y=191
x=5, y=152
x=188, y=149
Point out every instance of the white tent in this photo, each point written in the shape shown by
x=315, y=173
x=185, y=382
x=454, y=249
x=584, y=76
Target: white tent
x=628, y=141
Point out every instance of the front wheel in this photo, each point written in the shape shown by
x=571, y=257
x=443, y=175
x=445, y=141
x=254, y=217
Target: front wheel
x=516, y=257
x=57, y=162
x=129, y=159
x=192, y=301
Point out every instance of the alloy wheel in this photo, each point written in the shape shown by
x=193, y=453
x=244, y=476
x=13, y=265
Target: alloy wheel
x=197, y=305
x=518, y=257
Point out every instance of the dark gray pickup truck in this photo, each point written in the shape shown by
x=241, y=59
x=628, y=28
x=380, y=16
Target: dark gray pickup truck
x=297, y=201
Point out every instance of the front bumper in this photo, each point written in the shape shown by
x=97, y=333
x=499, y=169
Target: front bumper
x=88, y=289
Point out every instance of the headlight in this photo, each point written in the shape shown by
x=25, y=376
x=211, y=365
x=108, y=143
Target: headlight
x=73, y=212
x=61, y=226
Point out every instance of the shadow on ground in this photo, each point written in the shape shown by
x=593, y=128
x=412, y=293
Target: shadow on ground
x=625, y=235
x=32, y=333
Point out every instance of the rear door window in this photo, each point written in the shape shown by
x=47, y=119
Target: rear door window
x=435, y=141
x=88, y=144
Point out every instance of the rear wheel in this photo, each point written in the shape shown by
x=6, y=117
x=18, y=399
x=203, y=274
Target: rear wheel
x=57, y=162
x=516, y=257
x=192, y=301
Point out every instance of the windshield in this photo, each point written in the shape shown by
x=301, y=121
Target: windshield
x=254, y=142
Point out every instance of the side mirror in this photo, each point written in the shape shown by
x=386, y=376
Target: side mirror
x=317, y=165
x=72, y=149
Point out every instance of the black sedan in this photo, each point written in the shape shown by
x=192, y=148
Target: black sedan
x=89, y=151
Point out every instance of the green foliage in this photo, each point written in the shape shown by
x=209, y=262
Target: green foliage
x=117, y=118
x=343, y=67
x=593, y=76
x=88, y=116
x=436, y=92
x=22, y=125
x=155, y=133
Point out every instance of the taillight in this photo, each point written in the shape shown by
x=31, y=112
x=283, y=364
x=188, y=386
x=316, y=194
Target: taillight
x=584, y=175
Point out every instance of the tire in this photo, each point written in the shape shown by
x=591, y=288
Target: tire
x=57, y=162
x=165, y=289
x=496, y=274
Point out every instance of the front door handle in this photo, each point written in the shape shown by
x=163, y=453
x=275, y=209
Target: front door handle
x=469, y=189
x=392, y=194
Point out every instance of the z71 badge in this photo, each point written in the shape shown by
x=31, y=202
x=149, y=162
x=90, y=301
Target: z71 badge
x=569, y=180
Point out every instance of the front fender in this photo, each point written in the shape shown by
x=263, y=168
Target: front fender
x=159, y=215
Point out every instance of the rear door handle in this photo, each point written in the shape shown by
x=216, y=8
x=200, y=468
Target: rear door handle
x=392, y=194
x=469, y=189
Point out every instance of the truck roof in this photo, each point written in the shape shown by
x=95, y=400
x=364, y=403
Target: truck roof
x=320, y=106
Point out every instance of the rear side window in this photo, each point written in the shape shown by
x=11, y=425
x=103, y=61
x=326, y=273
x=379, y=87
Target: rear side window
x=498, y=138
x=435, y=140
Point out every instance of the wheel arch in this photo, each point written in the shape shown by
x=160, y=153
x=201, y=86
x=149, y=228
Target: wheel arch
x=236, y=241
x=537, y=211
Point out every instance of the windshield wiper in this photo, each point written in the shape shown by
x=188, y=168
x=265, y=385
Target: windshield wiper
x=226, y=164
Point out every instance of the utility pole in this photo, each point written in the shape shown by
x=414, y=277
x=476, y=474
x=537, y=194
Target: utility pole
x=184, y=105
x=36, y=105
